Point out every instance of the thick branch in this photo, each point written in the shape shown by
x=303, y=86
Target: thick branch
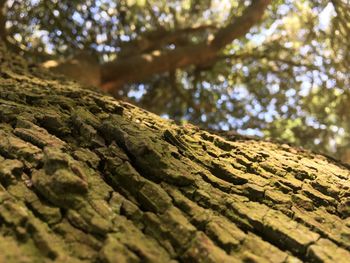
x=241, y=25
x=160, y=38
x=140, y=67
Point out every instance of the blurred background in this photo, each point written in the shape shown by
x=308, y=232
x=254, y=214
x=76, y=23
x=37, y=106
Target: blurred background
x=277, y=69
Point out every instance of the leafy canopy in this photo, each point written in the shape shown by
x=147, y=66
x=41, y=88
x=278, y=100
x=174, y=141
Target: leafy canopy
x=287, y=78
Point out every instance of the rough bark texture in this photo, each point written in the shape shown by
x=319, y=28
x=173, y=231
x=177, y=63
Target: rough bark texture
x=85, y=178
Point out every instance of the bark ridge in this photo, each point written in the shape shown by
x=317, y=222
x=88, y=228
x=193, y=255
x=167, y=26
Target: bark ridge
x=86, y=178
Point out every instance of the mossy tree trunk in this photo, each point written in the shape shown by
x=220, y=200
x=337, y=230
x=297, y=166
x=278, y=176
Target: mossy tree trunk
x=85, y=178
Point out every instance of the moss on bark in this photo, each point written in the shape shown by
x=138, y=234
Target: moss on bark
x=86, y=178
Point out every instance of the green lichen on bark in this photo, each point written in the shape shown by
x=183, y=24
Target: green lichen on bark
x=85, y=178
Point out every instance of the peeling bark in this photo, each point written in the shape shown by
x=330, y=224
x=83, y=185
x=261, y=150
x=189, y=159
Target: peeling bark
x=86, y=178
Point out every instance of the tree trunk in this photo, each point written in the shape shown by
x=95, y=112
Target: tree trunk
x=86, y=178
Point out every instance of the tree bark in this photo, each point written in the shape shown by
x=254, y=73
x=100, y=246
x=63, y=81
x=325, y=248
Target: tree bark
x=86, y=178
x=2, y=20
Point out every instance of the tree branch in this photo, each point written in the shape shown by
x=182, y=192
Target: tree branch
x=3, y=32
x=160, y=38
x=137, y=68
x=241, y=25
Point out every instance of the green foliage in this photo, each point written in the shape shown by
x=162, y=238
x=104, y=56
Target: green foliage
x=288, y=78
